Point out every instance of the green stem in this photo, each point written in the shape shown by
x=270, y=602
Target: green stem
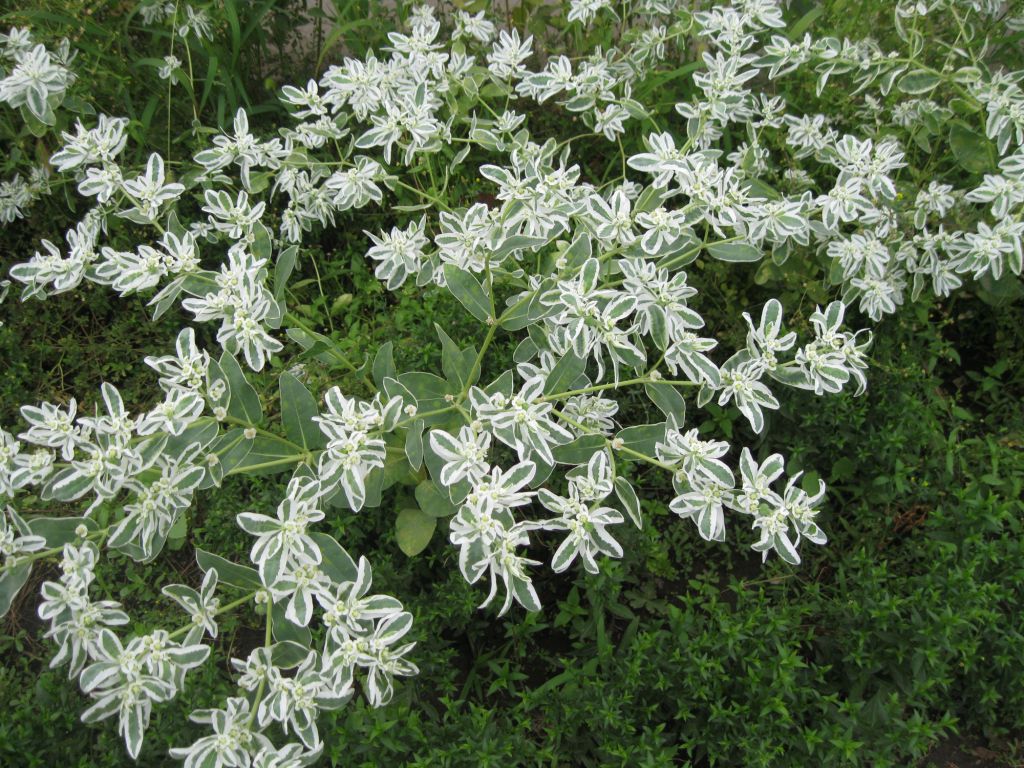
x=616, y=385
x=643, y=457
x=299, y=323
x=267, y=636
x=491, y=330
x=263, y=432
x=283, y=461
x=424, y=415
x=435, y=200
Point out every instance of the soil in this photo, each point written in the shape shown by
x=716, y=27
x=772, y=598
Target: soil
x=968, y=752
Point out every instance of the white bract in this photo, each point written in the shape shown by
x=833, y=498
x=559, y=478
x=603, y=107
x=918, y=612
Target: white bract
x=593, y=280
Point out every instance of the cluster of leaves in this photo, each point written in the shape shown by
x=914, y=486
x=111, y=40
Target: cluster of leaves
x=583, y=276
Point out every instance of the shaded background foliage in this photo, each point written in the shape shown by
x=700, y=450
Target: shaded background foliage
x=904, y=633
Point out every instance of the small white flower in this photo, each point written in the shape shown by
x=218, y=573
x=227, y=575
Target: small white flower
x=167, y=69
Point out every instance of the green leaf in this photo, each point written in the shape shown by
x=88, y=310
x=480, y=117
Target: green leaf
x=283, y=269
x=737, y=252
x=394, y=388
x=231, y=448
x=231, y=13
x=338, y=31
x=203, y=430
x=211, y=74
x=579, y=450
x=972, y=151
x=298, y=409
x=395, y=469
x=809, y=482
x=240, y=576
x=630, y=502
x=668, y=399
x=918, y=82
x=285, y=631
x=516, y=243
x=761, y=188
x=844, y=469
x=11, y=581
x=997, y=293
x=58, y=531
x=648, y=200
x=413, y=529
x=414, y=444
x=176, y=535
x=288, y=654
x=642, y=438
x=244, y=403
x=568, y=368
x=467, y=289
x=457, y=365
x=323, y=348
x=520, y=315
x=428, y=389
x=433, y=502
x=267, y=450
x=384, y=365
x=261, y=244
x=336, y=562
x=502, y=383
x=796, y=31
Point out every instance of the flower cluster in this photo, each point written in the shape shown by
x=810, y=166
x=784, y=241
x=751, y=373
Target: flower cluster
x=38, y=78
x=123, y=678
x=33, y=80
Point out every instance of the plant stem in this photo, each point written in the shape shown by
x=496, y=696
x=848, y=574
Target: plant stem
x=491, y=330
x=435, y=200
x=267, y=635
x=283, y=461
x=299, y=323
x=616, y=385
x=265, y=433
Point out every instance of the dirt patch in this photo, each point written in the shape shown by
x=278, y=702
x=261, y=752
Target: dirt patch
x=966, y=752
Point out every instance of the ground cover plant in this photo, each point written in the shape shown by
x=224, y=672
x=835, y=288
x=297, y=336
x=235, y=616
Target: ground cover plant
x=572, y=321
